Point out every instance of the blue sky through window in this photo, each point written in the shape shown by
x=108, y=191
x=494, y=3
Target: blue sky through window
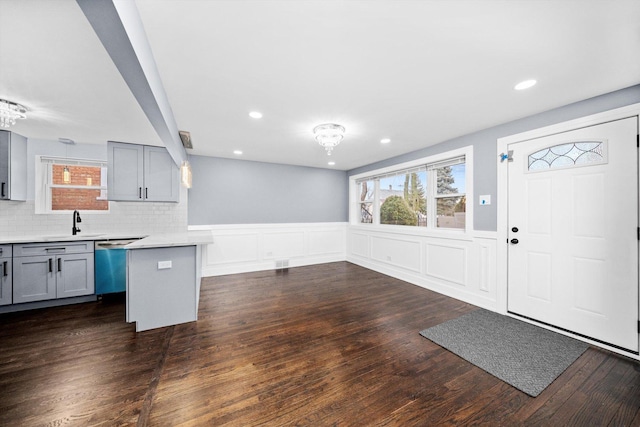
x=397, y=181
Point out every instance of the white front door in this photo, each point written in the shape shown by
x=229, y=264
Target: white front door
x=573, y=231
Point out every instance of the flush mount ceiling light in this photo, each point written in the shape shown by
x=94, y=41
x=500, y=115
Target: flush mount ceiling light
x=255, y=114
x=385, y=140
x=9, y=112
x=328, y=135
x=525, y=84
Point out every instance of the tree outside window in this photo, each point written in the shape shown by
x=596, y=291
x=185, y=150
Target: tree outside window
x=450, y=201
x=402, y=198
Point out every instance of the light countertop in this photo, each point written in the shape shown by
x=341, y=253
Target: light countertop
x=186, y=238
x=68, y=238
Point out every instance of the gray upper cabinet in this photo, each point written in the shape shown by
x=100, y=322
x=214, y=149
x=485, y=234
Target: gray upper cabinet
x=13, y=166
x=141, y=173
x=125, y=172
x=161, y=176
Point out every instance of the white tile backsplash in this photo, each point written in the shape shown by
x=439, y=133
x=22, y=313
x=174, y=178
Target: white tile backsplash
x=19, y=219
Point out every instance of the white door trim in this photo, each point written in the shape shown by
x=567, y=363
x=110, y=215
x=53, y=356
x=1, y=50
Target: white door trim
x=502, y=194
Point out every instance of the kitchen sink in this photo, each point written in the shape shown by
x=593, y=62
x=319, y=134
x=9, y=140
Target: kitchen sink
x=64, y=237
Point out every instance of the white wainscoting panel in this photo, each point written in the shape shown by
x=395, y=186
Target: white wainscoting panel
x=359, y=244
x=484, y=258
x=447, y=262
x=399, y=252
x=238, y=248
x=327, y=242
x=241, y=248
x=282, y=245
x=459, y=265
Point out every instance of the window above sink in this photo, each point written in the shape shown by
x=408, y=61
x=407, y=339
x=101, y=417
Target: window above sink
x=64, y=185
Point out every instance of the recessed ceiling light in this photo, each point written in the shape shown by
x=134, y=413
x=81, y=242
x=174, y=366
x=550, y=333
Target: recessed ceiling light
x=255, y=114
x=385, y=141
x=525, y=84
x=238, y=152
x=331, y=163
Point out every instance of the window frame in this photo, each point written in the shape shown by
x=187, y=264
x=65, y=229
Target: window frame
x=431, y=196
x=44, y=184
x=372, y=200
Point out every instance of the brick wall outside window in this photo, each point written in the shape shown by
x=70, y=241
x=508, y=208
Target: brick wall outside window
x=77, y=198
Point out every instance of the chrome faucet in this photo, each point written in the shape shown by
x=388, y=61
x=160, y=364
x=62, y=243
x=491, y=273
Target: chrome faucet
x=76, y=219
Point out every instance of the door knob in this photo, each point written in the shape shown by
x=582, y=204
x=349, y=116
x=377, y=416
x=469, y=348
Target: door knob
x=514, y=229
x=514, y=241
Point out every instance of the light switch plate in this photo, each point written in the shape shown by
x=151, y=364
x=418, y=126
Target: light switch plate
x=485, y=200
x=163, y=265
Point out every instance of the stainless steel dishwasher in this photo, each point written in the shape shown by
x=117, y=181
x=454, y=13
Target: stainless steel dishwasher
x=111, y=265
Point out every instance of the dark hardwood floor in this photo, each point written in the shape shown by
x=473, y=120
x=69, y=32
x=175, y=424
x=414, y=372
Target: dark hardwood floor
x=327, y=345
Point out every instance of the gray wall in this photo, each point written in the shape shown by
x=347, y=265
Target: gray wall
x=484, y=146
x=228, y=191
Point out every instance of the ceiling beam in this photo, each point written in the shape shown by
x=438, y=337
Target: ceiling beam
x=119, y=27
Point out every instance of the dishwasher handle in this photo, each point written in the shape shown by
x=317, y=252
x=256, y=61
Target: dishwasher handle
x=112, y=244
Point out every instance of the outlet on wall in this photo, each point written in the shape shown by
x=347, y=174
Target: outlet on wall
x=163, y=265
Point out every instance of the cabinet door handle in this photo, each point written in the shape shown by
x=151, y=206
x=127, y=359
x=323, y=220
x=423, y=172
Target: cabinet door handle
x=59, y=264
x=50, y=265
x=56, y=249
x=139, y=192
x=4, y=269
x=146, y=192
x=3, y=186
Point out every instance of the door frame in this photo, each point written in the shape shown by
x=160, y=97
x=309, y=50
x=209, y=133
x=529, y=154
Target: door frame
x=503, y=205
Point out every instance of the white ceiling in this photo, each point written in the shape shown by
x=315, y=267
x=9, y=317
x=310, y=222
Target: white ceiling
x=418, y=72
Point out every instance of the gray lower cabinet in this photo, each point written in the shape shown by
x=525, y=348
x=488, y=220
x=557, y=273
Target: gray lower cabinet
x=163, y=286
x=44, y=271
x=6, y=275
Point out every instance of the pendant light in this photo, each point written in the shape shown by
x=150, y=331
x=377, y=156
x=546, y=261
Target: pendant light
x=66, y=175
x=185, y=174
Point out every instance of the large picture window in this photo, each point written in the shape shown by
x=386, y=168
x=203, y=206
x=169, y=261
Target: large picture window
x=402, y=198
x=432, y=195
x=70, y=184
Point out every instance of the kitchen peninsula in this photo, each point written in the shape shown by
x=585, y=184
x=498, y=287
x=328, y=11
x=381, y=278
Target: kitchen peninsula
x=163, y=279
